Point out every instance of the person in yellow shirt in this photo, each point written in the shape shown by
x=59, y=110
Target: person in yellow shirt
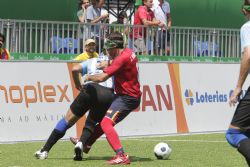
x=4, y=53
x=90, y=51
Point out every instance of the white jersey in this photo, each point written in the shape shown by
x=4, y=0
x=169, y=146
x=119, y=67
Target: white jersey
x=90, y=67
x=245, y=35
x=161, y=12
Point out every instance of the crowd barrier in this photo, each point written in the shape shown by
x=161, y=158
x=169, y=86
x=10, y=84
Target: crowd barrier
x=176, y=98
x=46, y=37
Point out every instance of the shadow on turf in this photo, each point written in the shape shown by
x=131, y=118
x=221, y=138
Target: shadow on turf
x=132, y=158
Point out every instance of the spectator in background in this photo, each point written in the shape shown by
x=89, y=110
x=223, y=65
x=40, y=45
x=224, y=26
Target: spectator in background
x=82, y=12
x=143, y=16
x=161, y=10
x=90, y=51
x=124, y=30
x=4, y=53
x=94, y=16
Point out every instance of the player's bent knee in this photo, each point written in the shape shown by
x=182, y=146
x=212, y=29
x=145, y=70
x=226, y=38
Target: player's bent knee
x=81, y=104
x=234, y=136
x=230, y=141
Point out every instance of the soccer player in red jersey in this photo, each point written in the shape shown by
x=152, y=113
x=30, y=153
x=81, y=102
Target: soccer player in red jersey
x=127, y=88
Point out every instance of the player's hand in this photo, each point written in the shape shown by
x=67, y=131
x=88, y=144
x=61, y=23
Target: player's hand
x=102, y=65
x=234, y=97
x=104, y=16
x=157, y=22
x=85, y=78
x=161, y=25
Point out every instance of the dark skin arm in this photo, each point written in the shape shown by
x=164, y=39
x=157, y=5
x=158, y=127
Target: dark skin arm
x=76, y=71
x=97, y=77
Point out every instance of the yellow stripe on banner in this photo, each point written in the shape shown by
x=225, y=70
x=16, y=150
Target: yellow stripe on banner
x=181, y=121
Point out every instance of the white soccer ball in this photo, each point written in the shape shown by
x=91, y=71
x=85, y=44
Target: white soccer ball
x=162, y=150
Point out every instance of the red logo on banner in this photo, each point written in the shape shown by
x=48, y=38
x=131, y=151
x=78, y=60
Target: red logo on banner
x=162, y=94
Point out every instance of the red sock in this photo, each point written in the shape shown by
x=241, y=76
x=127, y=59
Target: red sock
x=111, y=135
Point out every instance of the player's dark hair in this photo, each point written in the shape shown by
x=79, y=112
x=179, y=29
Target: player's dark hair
x=144, y=1
x=3, y=37
x=247, y=2
x=116, y=36
x=80, y=5
x=123, y=14
x=94, y=2
x=246, y=7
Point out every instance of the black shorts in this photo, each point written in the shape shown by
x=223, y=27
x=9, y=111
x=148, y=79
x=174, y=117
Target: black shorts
x=121, y=107
x=241, y=116
x=95, y=98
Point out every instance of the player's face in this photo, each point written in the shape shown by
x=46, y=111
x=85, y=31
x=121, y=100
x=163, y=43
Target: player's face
x=85, y=4
x=149, y=3
x=112, y=53
x=91, y=47
x=100, y=3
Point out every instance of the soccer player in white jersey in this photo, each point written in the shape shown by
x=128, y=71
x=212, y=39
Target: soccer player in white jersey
x=238, y=133
x=93, y=97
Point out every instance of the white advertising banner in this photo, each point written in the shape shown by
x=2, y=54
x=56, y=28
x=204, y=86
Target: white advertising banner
x=198, y=99
x=33, y=97
x=176, y=98
x=206, y=89
x=157, y=110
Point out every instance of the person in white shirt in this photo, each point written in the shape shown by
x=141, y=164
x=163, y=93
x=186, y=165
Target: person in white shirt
x=238, y=133
x=161, y=11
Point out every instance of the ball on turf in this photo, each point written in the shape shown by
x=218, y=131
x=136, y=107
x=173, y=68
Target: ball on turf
x=162, y=150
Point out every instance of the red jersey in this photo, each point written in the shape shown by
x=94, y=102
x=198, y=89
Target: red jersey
x=4, y=54
x=142, y=13
x=125, y=72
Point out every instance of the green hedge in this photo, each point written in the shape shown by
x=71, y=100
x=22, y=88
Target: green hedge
x=56, y=57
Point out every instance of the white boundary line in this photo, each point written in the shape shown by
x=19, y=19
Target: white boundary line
x=198, y=141
x=139, y=138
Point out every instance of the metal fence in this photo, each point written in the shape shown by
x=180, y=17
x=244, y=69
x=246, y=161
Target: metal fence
x=68, y=37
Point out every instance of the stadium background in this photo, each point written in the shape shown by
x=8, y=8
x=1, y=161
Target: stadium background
x=187, y=13
x=195, y=82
